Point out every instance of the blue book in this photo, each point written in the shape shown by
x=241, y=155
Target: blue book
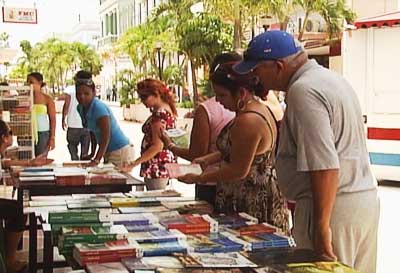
x=212, y=243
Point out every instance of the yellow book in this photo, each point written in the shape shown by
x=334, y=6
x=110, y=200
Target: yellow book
x=118, y=202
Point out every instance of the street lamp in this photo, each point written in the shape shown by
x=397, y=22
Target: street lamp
x=158, y=47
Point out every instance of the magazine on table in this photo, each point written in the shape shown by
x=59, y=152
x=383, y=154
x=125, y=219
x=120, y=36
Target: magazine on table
x=216, y=260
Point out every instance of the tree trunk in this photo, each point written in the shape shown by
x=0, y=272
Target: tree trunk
x=237, y=38
x=194, y=82
x=284, y=24
x=303, y=27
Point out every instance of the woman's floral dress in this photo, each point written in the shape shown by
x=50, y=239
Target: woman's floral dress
x=155, y=167
x=258, y=194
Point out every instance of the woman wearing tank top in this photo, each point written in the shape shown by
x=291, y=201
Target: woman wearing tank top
x=246, y=178
x=44, y=116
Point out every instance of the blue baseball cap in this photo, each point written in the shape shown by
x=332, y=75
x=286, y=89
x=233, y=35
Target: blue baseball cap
x=269, y=45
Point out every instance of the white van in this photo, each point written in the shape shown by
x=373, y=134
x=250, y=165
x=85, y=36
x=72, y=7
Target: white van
x=371, y=63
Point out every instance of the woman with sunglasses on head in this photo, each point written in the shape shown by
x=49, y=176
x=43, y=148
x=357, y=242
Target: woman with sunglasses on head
x=10, y=210
x=44, y=116
x=246, y=179
x=113, y=145
x=158, y=98
x=209, y=119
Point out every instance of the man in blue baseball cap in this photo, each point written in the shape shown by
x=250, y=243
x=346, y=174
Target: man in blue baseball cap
x=322, y=161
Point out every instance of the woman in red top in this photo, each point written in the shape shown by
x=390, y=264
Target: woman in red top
x=159, y=99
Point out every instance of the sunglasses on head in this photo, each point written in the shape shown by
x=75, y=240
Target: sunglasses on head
x=220, y=69
x=88, y=82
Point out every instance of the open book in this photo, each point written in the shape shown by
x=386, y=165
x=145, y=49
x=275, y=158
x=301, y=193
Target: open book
x=176, y=170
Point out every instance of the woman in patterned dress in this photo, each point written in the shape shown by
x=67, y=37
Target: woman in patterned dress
x=159, y=99
x=246, y=179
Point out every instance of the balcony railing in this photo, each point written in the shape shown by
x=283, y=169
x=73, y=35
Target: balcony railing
x=108, y=40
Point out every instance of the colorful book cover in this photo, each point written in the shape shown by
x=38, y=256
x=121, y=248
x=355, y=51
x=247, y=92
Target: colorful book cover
x=212, y=242
x=152, y=263
x=234, y=221
x=143, y=209
x=314, y=267
x=155, y=193
x=161, y=248
x=143, y=228
x=109, y=247
x=216, y=260
x=253, y=229
x=87, y=204
x=74, y=216
x=157, y=236
x=124, y=202
x=114, y=267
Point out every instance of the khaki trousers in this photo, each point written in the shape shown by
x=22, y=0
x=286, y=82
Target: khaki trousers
x=354, y=225
x=124, y=155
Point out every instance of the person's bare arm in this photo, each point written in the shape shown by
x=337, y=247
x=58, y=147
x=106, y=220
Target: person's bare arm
x=67, y=102
x=51, y=109
x=244, y=148
x=324, y=184
x=156, y=144
x=105, y=128
x=199, y=137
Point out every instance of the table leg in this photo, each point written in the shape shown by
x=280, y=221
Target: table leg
x=48, y=250
x=32, y=243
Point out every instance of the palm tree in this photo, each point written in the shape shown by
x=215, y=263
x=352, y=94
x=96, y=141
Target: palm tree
x=201, y=39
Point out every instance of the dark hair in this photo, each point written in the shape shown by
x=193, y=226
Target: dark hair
x=3, y=83
x=83, y=77
x=223, y=58
x=4, y=128
x=38, y=76
x=225, y=76
x=154, y=87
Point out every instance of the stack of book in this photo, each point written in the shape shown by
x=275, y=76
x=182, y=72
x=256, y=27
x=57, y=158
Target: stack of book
x=189, y=223
x=161, y=242
x=107, y=178
x=215, y=260
x=37, y=175
x=212, y=242
x=90, y=203
x=110, y=251
x=134, y=202
x=234, y=221
x=72, y=176
x=88, y=234
x=155, y=264
x=155, y=193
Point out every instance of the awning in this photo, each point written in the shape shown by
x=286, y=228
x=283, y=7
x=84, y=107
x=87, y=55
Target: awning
x=387, y=19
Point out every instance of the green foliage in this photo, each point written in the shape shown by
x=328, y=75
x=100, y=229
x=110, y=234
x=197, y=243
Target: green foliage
x=206, y=88
x=172, y=75
x=56, y=59
x=203, y=37
x=188, y=104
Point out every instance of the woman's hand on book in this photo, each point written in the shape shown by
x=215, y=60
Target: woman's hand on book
x=127, y=167
x=189, y=178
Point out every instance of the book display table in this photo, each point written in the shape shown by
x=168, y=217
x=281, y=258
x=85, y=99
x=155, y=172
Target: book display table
x=130, y=233
x=43, y=186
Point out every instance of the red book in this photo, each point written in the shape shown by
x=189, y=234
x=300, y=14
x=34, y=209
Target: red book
x=256, y=229
x=107, y=248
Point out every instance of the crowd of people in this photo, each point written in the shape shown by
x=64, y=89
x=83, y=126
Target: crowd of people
x=254, y=158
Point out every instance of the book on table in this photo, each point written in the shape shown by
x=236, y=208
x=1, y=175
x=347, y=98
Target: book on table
x=157, y=236
x=161, y=248
x=134, y=202
x=211, y=243
x=189, y=224
x=314, y=267
x=113, y=267
x=215, y=260
x=189, y=207
x=125, y=210
x=134, y=219
x=110, y=251
x=143, y=228
x=88, y=204
x=234, y=220
x=266, y=241
x=155, y=193
x=79, y=216
x=252, y=229
x=108, y=178
x=94, y=234
x=152, y=264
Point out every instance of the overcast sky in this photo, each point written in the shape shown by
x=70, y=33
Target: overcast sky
x=53, y=16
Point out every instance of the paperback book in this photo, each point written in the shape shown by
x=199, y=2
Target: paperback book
x=157, y=236
x=114, y=267
x=252, y=229
x=161, y=248
x=78, y=216
x=154, y=264
x=234, y=221
x=143, y=209
x=211, y=243
x=216, y=260
x=155, y=193
x=176, y=170
x=312, y=267
x=190, y=224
